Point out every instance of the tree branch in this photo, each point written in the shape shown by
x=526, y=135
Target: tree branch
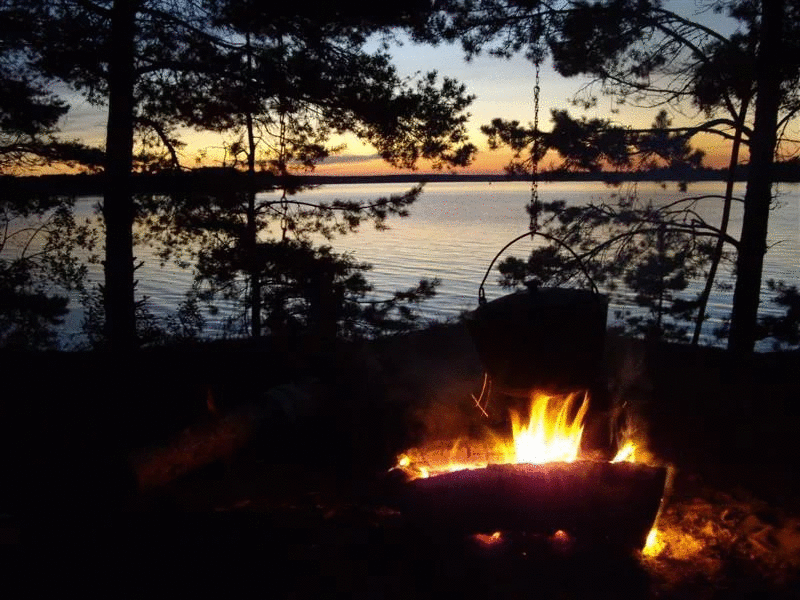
x=165, y=139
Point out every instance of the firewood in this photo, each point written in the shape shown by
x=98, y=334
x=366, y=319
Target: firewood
x=613, y=503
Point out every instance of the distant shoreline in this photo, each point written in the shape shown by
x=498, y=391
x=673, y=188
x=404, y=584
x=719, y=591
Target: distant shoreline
x=207, y=180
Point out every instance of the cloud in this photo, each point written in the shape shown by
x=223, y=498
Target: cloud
x=350, y=159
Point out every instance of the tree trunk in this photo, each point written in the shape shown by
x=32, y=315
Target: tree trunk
x=251, y=234
x=753, y=243
x=251, y=228
x=117, y=200
x=723, y=226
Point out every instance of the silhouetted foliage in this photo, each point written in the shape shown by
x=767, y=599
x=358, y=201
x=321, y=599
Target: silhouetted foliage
x=642, y=254
x=595, y=144
x=38, y=235
x=785, y=329
x=312, y=289
x=38, y=265
x=653, y=251
x=29, y=110
x=280, y=90
x=186, y=323
x=301, y=284
x=219, y=65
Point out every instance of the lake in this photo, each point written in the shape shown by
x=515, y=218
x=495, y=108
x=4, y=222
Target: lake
x=454, y=231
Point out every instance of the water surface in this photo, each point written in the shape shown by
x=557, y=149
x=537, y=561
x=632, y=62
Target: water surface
x=455, y=229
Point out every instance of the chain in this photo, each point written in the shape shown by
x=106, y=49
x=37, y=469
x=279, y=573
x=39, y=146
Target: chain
x=538, y=51
x=534, y=206
x=284, y=215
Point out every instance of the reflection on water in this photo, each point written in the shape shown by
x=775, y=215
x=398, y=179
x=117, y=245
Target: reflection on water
x=455, y=230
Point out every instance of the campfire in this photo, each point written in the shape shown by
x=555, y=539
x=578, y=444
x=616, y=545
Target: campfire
x=537, y=480
x=537, y=475
x=551, y=433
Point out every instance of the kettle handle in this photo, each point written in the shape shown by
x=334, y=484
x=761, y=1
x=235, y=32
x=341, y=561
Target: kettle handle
x=482, y=292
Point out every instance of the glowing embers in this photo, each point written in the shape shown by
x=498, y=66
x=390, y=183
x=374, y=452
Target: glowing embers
x=559, y=542
x=488, y=540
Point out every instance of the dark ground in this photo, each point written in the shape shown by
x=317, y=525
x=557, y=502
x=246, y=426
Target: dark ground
x=248, y=468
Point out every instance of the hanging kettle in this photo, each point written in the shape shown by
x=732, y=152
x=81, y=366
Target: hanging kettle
x=550, y=339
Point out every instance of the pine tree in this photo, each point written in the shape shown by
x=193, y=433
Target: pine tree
x=156, y=65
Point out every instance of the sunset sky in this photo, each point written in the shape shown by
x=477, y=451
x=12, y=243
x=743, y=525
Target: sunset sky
x=504, y=88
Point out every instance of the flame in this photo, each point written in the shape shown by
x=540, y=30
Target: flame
x=550, y=432
x=627, y=453
x=550, y=435
x=654, y=544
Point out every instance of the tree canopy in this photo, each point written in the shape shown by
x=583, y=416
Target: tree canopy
x=291, y=76
x=29, y=110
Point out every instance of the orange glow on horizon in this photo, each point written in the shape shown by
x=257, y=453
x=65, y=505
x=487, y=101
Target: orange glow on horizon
x=363, y=162
x=485, y=163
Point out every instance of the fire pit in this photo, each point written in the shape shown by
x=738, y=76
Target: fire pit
x=535, y=482
x=543, y=343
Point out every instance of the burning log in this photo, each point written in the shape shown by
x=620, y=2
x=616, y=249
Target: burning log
x=610, y=503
